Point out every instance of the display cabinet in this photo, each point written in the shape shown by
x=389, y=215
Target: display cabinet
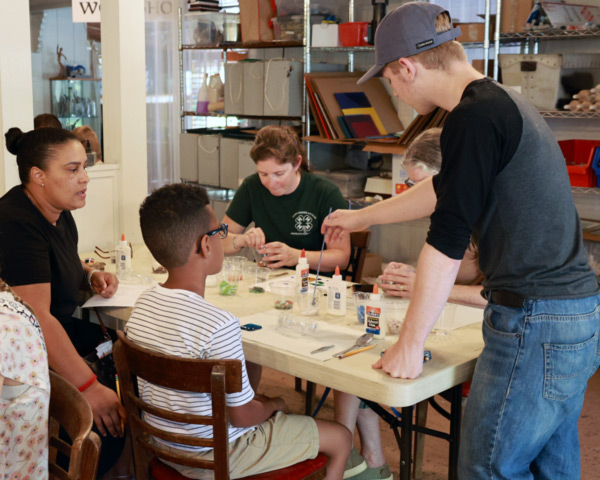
x=77, y=102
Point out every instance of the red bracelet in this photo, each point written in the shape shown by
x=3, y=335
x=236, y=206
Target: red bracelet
x=87, y=384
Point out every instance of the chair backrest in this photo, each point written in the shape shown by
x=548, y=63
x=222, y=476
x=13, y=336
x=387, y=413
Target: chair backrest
x=360, y=243
x=69, y=409
x=216, y=377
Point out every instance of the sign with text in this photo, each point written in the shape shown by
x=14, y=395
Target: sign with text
x=86, y=11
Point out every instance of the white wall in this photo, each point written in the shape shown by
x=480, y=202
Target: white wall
x=16, y=106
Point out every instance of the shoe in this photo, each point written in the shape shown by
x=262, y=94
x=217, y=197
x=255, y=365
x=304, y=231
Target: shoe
x=355, y=464
x=379, y=473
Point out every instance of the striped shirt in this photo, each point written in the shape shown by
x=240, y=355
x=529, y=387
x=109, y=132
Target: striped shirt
x=182, y=323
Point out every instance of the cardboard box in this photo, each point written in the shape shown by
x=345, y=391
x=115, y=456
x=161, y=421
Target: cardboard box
x=474, y=32
x=478, y=65
x=254, y=19
x=514, y=14
x=325, y=35
x=253, y=84
x=540, y=75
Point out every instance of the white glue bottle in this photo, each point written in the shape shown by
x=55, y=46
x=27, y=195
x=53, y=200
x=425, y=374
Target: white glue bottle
x=123, y=257
x=302, y=270
x=375, y=315
x=336, y=294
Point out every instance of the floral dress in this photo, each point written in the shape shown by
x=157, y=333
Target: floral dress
x=23, y=409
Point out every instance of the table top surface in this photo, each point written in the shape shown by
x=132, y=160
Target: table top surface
x=454, y=355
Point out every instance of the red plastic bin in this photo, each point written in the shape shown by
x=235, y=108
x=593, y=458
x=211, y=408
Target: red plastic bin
x=579, y=155
x=354, y=34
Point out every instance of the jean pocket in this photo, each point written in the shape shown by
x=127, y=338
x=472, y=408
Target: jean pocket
x=567, y=368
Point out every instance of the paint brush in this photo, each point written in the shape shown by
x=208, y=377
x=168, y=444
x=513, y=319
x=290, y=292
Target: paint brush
x=319, y=264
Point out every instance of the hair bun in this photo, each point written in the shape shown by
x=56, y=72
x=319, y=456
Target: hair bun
x=13, y=137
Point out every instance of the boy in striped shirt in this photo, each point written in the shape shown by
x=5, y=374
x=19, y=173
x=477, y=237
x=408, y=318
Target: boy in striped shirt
x=182, y=232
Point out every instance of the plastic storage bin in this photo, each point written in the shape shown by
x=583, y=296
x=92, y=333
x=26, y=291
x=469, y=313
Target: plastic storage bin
x=291, y=27
x=350, y=182
x=579, y=155
x=354, y=34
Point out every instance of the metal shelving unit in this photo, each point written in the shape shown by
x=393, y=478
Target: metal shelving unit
x=568, y=114
x=224, y=47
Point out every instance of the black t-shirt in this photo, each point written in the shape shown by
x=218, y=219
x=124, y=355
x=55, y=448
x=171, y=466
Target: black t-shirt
x=504, y=179
x=32, y=250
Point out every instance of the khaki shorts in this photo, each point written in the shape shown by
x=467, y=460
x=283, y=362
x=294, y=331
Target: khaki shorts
x=279, y=442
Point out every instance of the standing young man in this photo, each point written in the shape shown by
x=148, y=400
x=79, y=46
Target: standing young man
x=503, y=178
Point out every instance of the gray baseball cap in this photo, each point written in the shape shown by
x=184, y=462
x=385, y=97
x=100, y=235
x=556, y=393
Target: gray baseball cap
x=405, y=31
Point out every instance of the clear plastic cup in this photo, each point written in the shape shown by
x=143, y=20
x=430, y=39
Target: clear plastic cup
x=395, y=311
x=309, y=302
x=284, y=292
x=359, y=302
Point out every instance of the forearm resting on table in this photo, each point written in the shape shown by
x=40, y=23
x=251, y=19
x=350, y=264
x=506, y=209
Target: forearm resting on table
x=252, y=413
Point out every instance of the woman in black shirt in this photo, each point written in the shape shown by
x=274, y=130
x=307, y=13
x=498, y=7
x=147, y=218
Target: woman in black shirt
x=38, y=257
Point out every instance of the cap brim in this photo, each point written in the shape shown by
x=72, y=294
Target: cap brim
x=374, y=71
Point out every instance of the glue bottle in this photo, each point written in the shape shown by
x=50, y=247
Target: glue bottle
x=375, y=315
x=302, y=270
x=336, y=294
x=123, y=257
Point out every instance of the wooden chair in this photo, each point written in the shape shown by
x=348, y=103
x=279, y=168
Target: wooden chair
x=69, y=409
x=358, y=255
x=216, y=377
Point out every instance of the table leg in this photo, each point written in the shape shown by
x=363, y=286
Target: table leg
x=310, y=395
x=406, y=442
x=455, y=419
x=421, y=420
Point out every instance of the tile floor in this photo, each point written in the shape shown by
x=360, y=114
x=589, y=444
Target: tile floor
x=274, y=383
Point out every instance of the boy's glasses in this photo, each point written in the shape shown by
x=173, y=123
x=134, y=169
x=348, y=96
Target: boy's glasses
x=409, y=183
x=222, y=231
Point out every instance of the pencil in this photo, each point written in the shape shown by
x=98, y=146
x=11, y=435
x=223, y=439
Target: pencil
x=358, y=350
x=120, y=400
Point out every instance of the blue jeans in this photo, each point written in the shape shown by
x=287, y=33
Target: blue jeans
x=521, y=416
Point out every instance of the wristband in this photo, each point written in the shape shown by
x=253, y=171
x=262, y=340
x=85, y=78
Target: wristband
x=91, y=274
x=87, y=384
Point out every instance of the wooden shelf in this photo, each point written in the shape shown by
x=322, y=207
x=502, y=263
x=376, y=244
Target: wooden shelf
x=83, y=79
x=370, y=146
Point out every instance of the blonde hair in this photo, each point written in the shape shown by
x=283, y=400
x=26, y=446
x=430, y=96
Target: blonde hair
x=281, y=143
x=424, y=152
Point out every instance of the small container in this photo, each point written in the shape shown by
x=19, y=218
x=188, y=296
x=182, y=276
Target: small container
x=354, y=34
x=227, y=287
x=302, y=271
x=308, y=304
x=262, y=274
x=375, y=315
x=123, y=258
x=359, y=302
x=395, y=312
x=284, y=291
x=336, y=294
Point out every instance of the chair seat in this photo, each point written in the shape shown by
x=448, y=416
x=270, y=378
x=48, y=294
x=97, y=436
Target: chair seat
x=299, y=471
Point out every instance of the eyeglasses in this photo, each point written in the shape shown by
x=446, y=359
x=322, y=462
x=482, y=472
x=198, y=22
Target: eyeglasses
x=222, y=231
x=409, y=183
